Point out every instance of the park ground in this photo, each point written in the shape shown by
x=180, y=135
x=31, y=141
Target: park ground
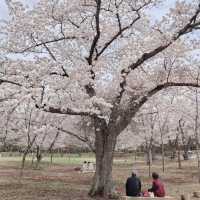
x=59, y=181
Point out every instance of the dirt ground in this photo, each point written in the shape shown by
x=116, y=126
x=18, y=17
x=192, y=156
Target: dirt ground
x=62, y=182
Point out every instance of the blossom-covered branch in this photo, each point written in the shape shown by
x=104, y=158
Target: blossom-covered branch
x=44, y=43
x=69, y=111
x=191, y=25
x=98, y=32
x=89, y=87
x=79, y=137
x=10, y=82
x=139, y=100
x=122, y=29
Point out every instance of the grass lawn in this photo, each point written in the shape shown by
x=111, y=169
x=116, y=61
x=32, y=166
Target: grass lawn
x=59, y=181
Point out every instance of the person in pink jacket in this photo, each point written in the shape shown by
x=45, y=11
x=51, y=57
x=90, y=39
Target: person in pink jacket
x=157, y=186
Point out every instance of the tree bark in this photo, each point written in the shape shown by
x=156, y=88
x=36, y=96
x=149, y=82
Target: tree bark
x=163, y=152
x=163, y=158
x=179, y=158
x=103, y=183
x=135, y=154
x=150, y=160
x=38, y=156
x=32, y=161
x=197, y=133
x=51, y=157
x=27, y=150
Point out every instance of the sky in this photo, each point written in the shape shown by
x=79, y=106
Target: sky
x=4, y=10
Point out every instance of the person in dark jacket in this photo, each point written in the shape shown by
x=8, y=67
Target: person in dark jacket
x=133, y=186
x=157, y=186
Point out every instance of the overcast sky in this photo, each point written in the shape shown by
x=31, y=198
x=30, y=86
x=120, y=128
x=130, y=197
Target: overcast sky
x=4, y=10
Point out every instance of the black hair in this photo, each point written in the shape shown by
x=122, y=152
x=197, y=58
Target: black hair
x=133, y=174
x=155, y=175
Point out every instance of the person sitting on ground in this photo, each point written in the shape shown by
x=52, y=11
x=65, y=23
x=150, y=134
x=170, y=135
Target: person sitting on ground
x=157, y=186
x=133, y=185
x=84, y=167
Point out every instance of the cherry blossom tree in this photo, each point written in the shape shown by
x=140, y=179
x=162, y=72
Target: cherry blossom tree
x=101, y=59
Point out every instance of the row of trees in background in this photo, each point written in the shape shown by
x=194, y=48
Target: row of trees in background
x=170, y=125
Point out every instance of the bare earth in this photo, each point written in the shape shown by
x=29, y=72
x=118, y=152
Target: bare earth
x=61, y=182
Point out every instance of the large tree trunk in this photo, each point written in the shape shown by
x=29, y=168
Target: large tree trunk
x=103, y=182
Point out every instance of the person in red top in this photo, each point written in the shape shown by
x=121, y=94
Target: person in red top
x=157, y=186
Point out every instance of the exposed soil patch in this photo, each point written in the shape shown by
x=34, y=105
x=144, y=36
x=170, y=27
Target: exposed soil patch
x=61, y=182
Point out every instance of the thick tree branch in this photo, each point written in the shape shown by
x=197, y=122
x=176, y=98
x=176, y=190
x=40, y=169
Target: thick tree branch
x=98, y=32
x=80, y=138
x=89, y=87
x=138, y=101
x=11, y=82
x=69, y=111
x=164, y=86
x=191, y=25
x=171, y=84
